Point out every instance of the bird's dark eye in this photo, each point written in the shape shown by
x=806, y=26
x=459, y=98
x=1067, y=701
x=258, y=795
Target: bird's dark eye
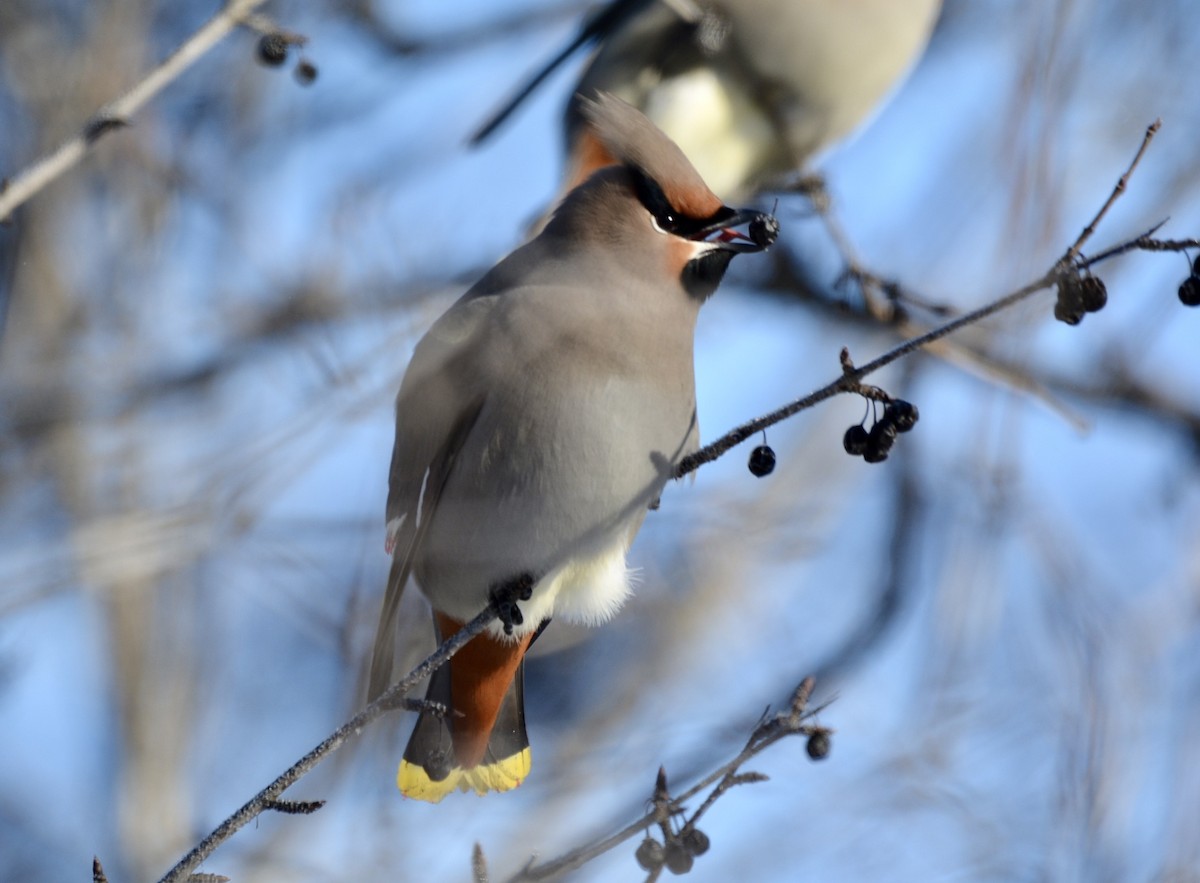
x=655, y=201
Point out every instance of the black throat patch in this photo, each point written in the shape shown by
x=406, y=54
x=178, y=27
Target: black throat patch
x=702, y=274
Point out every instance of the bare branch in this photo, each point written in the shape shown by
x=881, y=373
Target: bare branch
x=851, y=377
x=267, y=799
x=1073, y=251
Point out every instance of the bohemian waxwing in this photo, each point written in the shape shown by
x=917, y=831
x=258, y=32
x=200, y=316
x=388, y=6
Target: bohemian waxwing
x=540, y=417
x=749, y=89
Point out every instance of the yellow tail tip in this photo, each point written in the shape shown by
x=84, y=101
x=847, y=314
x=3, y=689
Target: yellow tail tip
x=499, y=775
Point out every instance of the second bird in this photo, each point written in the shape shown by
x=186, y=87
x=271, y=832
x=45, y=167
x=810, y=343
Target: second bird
x=751, y=90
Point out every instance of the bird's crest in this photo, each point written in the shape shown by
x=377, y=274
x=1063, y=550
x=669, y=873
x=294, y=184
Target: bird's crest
x=635, y=141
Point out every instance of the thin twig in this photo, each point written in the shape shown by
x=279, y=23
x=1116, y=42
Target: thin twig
x=769, y=730
x=479, y=868
x=1086, y=234
x=26, y=183
x=268, y=797
x=851, y=379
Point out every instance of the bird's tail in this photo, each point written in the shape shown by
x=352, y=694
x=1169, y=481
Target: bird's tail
x=481, y=744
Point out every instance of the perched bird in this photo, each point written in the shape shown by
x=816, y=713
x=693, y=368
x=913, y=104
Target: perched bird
x=751, y=90
x=539, y=419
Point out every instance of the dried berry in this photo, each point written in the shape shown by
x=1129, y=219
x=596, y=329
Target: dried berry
x=1071, y=315
x=901, y=414
x=679, y=860
x=818, y=745
x=272, y=49
x=882, y=434
x=695, y=841
x=855, y=440
x=1068, y=307
x=764, y=230
x=880, y=440
x=1093, y=294
x=762, y=461
x=649, y=854
x=1189, y=291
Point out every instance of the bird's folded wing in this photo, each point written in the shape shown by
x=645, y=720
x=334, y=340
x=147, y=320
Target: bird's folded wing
x=436, y=409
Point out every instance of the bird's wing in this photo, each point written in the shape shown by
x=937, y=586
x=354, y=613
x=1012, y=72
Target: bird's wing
x=438, y=404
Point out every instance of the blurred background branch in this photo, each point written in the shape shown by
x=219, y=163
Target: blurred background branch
x=207, y=321
x=119, y=113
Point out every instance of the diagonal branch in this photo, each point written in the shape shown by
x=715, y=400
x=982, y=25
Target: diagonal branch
x=1118, y=190
x=268, y=798
x=17, y=190
x=851, y=377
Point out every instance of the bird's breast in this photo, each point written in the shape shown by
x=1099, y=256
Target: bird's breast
x=556, y=477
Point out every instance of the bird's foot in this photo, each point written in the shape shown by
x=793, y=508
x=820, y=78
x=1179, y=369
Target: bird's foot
x=505, y=595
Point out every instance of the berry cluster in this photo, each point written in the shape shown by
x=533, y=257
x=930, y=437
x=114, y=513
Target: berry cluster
x=273, y=52
x=873, y=445
x=678, y=853
x=1189, y=289
x=1079, y=294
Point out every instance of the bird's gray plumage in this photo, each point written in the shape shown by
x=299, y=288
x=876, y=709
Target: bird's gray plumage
x=544, y=412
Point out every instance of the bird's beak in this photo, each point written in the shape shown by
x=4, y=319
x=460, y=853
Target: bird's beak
x=761, y=230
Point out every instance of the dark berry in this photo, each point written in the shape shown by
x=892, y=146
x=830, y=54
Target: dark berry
x=1069, y=305
x=305, y=72
x=764, y=230
x=1069, y=287
x=880, y=440
x=855, y=440
x=272, y=49
x=1196, y=266
x=1071, y=315
x=1189, y=291
x=679, y=860
x=762, y=461
x=1093, y=294
x=695, y=841
x=883, y=433
x=649, y=854
x=818, y=745
x=901, y=414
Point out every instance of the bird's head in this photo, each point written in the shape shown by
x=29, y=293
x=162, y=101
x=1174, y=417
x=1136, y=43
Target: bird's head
x=653, y=207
